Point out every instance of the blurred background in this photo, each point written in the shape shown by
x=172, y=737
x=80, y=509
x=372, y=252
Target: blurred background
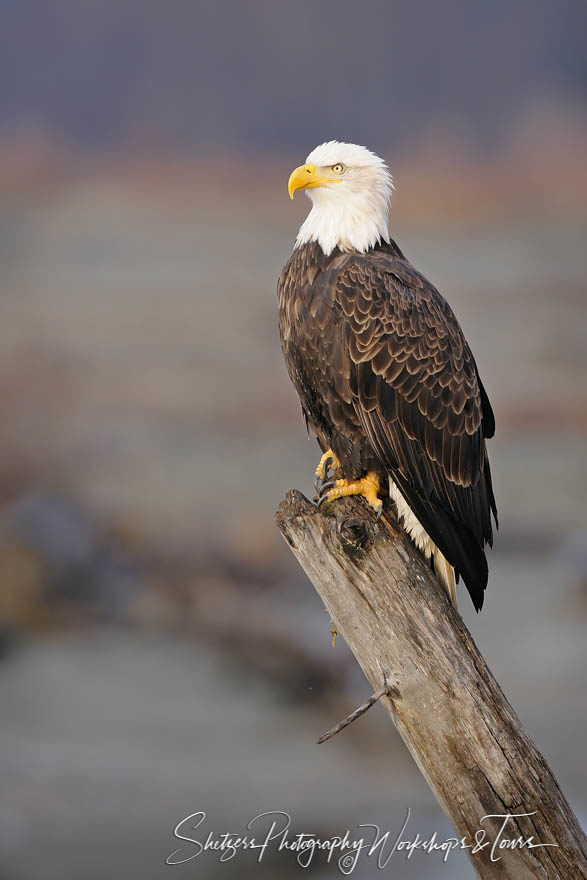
x=160, y=651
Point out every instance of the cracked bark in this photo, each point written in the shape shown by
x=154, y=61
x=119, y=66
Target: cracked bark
x=450, y=711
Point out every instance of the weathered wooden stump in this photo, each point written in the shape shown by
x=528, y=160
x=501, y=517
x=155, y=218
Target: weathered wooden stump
x=446, y=704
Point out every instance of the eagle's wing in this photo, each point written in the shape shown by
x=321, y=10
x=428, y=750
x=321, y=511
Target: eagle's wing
x=418, y=396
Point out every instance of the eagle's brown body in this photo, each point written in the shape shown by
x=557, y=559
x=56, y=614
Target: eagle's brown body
x=388, y=382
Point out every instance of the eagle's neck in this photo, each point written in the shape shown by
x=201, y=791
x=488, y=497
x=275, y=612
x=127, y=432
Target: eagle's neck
x=357, y=223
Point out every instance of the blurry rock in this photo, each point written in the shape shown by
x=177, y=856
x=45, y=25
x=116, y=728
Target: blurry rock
x=54, y=558
x=22, y=605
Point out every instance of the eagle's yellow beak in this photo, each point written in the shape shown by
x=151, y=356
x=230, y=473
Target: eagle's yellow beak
x=305, y=177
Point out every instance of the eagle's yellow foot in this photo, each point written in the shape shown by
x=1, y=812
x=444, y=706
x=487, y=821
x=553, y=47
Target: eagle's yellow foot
x=368, y=487
x=328, y=462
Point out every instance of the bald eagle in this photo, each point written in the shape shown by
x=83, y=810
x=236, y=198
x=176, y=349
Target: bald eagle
x=386, y=379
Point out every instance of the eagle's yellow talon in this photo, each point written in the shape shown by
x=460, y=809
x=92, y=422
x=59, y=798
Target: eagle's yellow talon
x=333, y=633
x=368, y=487
x=329, y=461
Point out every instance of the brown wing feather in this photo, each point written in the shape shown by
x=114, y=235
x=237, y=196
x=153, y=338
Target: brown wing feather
x=413, y=365
x=417, y=393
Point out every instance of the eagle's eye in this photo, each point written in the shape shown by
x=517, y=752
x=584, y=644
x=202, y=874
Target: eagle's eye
x=338, y=168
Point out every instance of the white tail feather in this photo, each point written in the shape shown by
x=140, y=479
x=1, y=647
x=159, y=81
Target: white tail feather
x=444, y=570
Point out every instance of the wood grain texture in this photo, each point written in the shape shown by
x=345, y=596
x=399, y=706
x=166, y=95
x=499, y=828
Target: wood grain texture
x=451, y=712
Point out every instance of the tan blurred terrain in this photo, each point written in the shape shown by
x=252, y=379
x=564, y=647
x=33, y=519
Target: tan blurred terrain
x=140, y=357
x=149, y=432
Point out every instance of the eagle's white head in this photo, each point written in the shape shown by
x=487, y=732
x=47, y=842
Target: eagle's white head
x=350, y=188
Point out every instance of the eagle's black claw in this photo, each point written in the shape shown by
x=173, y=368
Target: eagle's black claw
x=327, y=464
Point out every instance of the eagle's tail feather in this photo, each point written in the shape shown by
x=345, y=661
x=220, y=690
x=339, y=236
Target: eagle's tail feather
x=452, y=549
x=444, y=570
x=446, y=574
